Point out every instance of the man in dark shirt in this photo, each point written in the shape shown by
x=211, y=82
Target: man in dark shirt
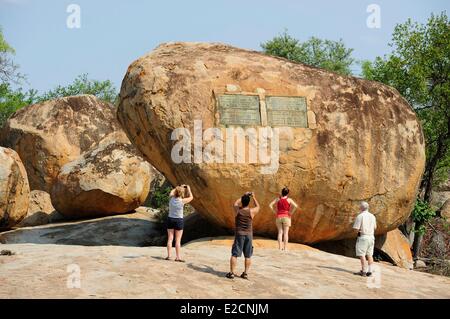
x=243, y=240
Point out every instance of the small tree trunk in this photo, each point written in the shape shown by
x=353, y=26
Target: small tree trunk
x=441, y=150
x=417, y=245
x=407, y=228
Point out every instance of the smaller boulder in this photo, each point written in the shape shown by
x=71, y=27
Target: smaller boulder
x=40, y=210
x=107, y=180
x=134, y=229
x=396, y=246
x=419, y=264
x=393, y=246
x=445, y=210
x=14, y=189
x=52, y=133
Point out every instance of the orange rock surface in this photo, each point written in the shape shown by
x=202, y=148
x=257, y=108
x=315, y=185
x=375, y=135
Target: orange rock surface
x=362, y=140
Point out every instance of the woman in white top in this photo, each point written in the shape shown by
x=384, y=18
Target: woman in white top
x=179, y=196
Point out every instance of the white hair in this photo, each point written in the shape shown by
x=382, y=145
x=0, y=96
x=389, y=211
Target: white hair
x=364, y=205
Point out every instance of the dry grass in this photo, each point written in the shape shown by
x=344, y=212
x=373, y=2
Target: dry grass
x=436, y=247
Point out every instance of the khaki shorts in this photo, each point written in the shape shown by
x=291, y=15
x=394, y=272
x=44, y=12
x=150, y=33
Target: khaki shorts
x=364, y=246
x=284, y=221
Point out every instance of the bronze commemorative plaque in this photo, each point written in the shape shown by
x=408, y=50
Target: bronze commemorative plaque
x=286, y=111
x=239, y=109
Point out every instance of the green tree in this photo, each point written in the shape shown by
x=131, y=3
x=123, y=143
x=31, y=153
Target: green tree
x=327, y=54
x=104, y=90
x=12, y=100
x=419, y=68
x=8, y=69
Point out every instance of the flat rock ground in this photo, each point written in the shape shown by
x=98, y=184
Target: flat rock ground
x=43, y=271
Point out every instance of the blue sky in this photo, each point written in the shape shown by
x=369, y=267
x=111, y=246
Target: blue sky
x=114, y=33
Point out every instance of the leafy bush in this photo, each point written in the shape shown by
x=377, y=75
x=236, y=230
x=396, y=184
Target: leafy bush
x=327, y=54
x=422, y=213
x=104, y=90
x=160, y=197
x=436, y=247
x=12, y=100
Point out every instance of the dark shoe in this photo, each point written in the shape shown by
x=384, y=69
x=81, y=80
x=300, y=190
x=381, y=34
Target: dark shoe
x=180, y=260
x=368, y=274
x=7, y=252
x=244, y=275
x=360, y=273
x=230, y=275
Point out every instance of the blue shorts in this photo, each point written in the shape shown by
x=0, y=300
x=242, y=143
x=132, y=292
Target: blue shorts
x=175, y=223
x=242, y=244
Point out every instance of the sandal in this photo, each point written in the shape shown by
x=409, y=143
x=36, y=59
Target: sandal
x=180, y=260
x=167, y=258
x=230, y=275
x=244, y=275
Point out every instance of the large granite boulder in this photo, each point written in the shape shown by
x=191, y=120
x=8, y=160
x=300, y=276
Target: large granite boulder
x=109, y=179
x=50, y=134
x=14, y=189
x=40, y=210
x=341, y=139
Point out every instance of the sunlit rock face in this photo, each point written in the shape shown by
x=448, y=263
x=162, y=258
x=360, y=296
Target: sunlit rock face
x=108, y=180
x=340, y=139
x=50, y=134
x=14, y=189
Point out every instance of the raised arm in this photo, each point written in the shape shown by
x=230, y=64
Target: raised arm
x=172, y=193
x=254, y=210
x=272, y=204
x=236, y=205
x=190, y=197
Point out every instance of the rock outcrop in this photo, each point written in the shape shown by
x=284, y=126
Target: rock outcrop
x=341, y=139
x=141, y=272
x=109, y=179
x=445, y=210
x=50, y=134
x=134, y=229
x=396, y=247
x=40, y=210
x=14, y=189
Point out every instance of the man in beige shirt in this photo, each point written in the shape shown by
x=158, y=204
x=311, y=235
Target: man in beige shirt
x=366, y=224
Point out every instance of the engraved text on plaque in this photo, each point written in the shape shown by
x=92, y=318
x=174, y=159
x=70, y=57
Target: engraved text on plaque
x=286, y=111
x=238, y=109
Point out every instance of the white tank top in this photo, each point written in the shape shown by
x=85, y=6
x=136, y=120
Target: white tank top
x=176, y=207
